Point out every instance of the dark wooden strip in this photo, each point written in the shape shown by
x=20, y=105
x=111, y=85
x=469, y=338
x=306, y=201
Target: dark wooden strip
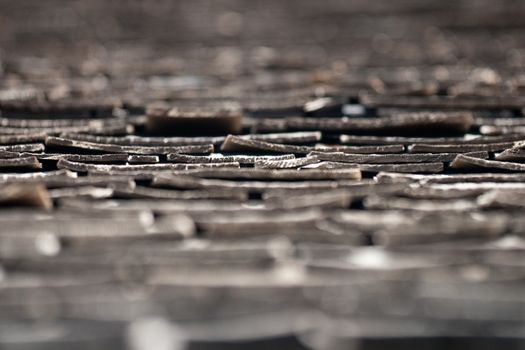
x=466, y=162
x=406, y=124
x=392, y=140
x=9, y=154
x=324, y=107
x=354, y=189
x=97, y=158
x=190, y=182
x=60, y=180
x=233, y=201
x=274, y=105
x=38, y=176
x=391, y=158
x=22, y=138
x=467, y=189
x=285, y=164
x=118, y=129
x=62, y=108
x=111, y=126
x=143, y=159
x=516, y=154
x=299, y=137
x=110, y=148
x=264, y=125
x=84, y=158
x=21, y=163
x=24, y=147
x=459, y=148
x=201, y=120
x=435, y=191
x=271, y=174
x=135, y=175
x=403, y=168
x=501, y=121
x=238, y=144
x=109, y=169
x=132, y=140
x=287, y=137
x=438, y=102
x=57, y=123
x=393, y=111
x=160, y=193
x=219, y=158
x=376, y=168
x=496, y=178
x=417, y=204
x=360, y=149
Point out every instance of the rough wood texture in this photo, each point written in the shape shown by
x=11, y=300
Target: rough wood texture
x=268, y=174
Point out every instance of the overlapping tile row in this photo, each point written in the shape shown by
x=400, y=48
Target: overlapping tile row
x=342, y=228
x=355, y=182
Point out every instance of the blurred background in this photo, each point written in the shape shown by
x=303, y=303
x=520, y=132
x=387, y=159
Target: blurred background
x=233, y=37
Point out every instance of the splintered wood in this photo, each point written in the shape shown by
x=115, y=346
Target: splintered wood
x=264, y=175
